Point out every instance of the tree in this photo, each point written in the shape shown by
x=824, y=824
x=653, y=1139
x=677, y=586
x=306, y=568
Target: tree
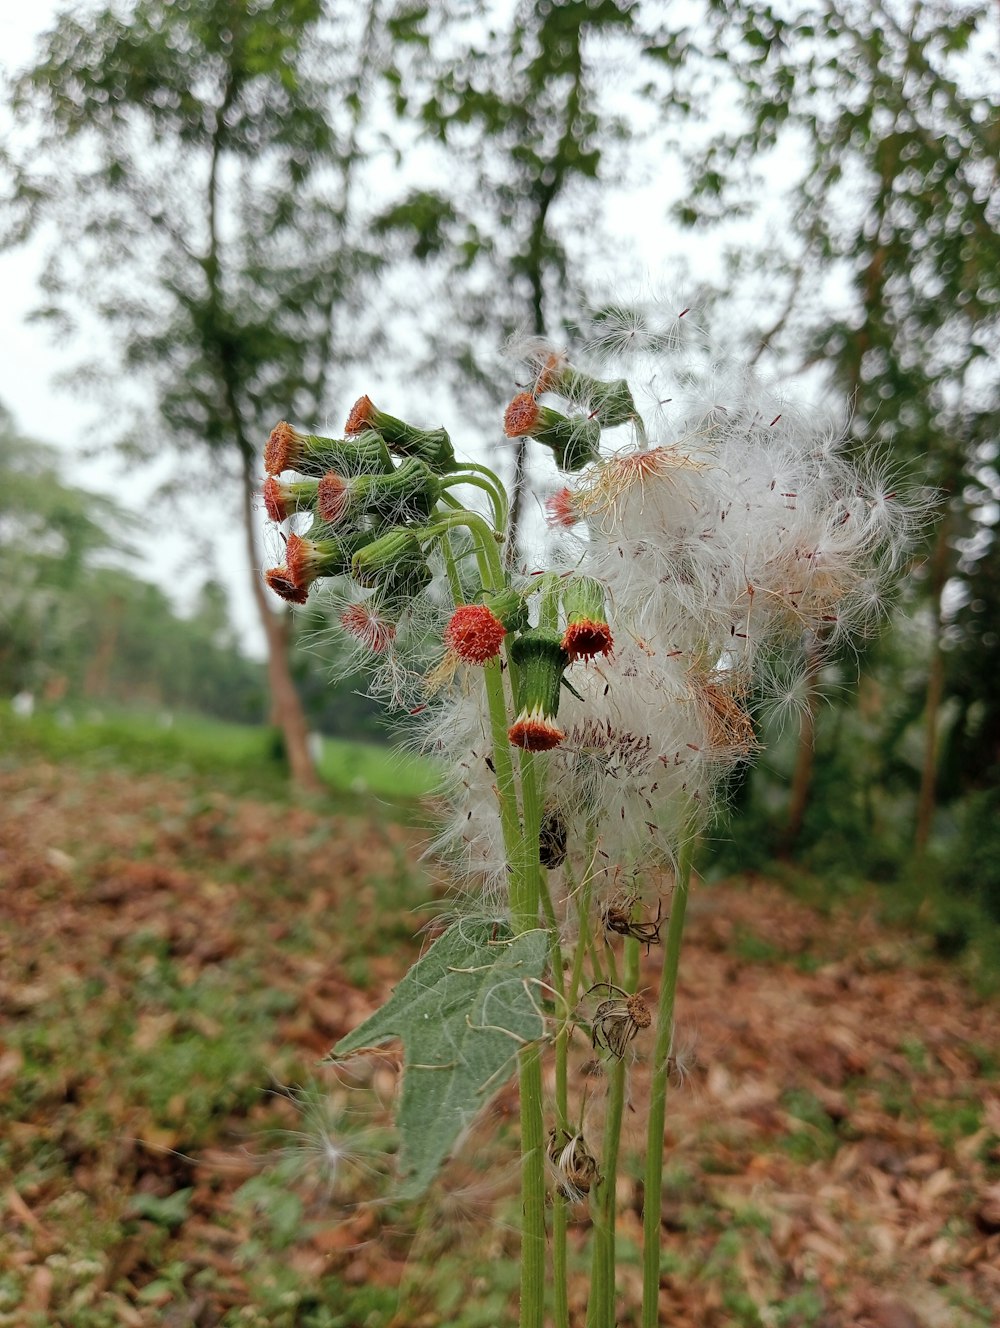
x=523, y=115
x=886, y=269
x=194, y=162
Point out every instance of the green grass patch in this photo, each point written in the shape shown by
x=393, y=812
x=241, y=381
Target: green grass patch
x=241, y=757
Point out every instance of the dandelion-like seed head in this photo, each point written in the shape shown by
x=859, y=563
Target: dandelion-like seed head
x=474, y=633
x=375, y=633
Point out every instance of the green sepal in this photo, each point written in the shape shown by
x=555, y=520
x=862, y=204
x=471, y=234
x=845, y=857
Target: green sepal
x=541, y=662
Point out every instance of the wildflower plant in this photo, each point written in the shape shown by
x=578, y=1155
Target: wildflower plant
x=706, y=538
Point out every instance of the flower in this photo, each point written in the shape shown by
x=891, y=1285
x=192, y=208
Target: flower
x=474, y=633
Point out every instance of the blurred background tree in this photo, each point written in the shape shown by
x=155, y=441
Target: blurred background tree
x=536, y=113
x=78, y=625
x=225, y=183
x=194, y=165
x=862, y=157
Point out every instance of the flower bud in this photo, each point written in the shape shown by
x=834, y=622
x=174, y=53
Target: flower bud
x=474, y=633
x=574, y=442
x=431, y=445
x=609, y=403
x=587, y=632
x=411, y=490
x=308, y=559
x=394, y=564
x=509, y=606
x=541, y=662
x=283, y=497
x=311, y=454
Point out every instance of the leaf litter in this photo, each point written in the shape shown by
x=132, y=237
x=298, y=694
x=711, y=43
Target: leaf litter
x=175, y=961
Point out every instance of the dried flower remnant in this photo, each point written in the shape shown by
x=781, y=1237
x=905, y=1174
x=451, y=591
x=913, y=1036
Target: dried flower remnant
x=618, y=918
x=574, y=1163
x=618, y=1020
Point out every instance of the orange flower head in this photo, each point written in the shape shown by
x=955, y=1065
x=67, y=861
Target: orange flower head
x=474, y=633
x=521, y=416
x=274, y=500
x=281, y=582
x=332, y=498
x=550, y=372
x=360, y=417
x=585, y=639
x=283, y=448
x=375, y=634
x=534, y=732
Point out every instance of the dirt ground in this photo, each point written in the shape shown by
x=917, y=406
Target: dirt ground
x=174, y=961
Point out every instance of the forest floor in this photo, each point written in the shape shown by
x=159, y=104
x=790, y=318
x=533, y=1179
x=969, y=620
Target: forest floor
x=175, y=960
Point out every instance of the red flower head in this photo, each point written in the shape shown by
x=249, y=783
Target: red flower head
x=283, y=448
x=521, y=416
x=585, y=638
x=535, y=732
x=475, y=633
x=281, y=583
x=273, y=499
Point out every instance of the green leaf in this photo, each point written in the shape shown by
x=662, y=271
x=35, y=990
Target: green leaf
x=461, y=1012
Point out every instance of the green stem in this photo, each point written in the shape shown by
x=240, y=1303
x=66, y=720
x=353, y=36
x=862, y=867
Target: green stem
x=604, y=1248
x=651, y=1215
x=497, y=497
x=487, y=551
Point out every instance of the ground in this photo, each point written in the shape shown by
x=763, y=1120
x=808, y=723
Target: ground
x=175, y=960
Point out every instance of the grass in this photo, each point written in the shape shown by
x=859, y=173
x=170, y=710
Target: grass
x=242, y=758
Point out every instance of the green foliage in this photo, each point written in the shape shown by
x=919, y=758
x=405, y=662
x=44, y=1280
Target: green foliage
x=240, y=756
x=461, y=1012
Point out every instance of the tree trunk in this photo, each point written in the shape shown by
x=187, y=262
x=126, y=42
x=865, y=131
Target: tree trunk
x=286, y=708
x=935, y=690
x=805, y=756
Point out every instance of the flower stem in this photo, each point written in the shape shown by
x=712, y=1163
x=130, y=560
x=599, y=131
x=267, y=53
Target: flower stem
x=604, y=1235
x=651, y=1215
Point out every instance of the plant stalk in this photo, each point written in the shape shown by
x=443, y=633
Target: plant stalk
x=653, y=1191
